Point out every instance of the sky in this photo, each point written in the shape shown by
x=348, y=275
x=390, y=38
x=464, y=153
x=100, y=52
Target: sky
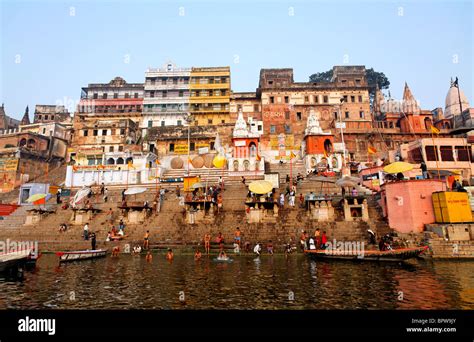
x=49, y=50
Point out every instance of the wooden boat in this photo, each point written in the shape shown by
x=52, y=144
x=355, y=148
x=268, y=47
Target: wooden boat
x=81, y=255
x=367, y=255
x=14, y=260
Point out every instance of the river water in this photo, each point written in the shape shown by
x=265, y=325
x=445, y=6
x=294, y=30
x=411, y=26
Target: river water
x=268, y=282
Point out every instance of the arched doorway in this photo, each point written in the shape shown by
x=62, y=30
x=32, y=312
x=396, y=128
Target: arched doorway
x=120, y=161
x=253, y=150
x=110, y=161
x=428, y=124
x=328, y=146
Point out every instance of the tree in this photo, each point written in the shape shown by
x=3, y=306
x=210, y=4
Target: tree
x=373, y=78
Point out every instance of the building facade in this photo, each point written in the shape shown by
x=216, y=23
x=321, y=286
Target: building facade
x=50, y=113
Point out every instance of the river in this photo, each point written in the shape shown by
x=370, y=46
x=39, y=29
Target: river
x=268, y=282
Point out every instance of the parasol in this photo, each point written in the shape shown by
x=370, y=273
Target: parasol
x=261, y=187
x=36, y=197
x=398, y=167
x=134, y=191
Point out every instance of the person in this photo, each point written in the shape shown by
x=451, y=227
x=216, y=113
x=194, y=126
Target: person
x=343, y=192
x=178, y=191
x=372, y=239
x=93, y=241
x=257, y=249
x=169, y=255
x=58, y=196
x=270, y=247
x=354, y=192
x=400, y=176
x=123, y=195
x=146, y=240
x=281, y=161
x=219, y=202
x=247, y=247
x=324, y=240
x=424, y=170
x=86, y=231
x=121, y=225
x=109, y=236
x=243, y=180
x=282, y=200
x=197, y=255
x=116, y=251
x=148, y=257
x=288, y=249
x=303, y=240
x=301, y=199
x=106, y=195
x=311, y=243
x=62, y=227
x=220, y=241
x=222, y=255
x=288, y=179
x=102, y=189
x=221, y=183
x=207, y=242
x=292, y=198
x=237, y=236
x=317, y=237
x=114, y=231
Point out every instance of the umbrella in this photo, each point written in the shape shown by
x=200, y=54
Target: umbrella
x=261, y=187
x=219, y=161
x=198, y=185
x=80, y=195
x=398, y=167
x=36, y=197
x=347, y=181
x=134, y=191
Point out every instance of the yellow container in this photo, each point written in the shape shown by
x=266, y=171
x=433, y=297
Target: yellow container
x=451, y=207
x=188, y=182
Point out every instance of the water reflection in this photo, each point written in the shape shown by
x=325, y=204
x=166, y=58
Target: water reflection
x=247, y=283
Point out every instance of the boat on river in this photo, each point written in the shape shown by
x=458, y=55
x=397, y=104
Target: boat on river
x=14, y=260
x=367, y=255
x=81, y=255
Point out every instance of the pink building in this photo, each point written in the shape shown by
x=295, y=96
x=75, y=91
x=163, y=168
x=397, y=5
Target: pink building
x=408, y=204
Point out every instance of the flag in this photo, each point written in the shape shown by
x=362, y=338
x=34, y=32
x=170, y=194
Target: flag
x=434, y=129
x=292, y=155
x=157, y=162
x=371, y=149
x=258, y=158
x=130, y=164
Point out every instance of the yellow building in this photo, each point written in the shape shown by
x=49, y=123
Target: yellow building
x=210, y=95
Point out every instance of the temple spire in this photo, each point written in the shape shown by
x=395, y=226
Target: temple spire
x=26, y=117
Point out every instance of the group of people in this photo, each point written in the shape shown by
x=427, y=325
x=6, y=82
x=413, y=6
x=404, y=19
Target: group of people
x=316, y=241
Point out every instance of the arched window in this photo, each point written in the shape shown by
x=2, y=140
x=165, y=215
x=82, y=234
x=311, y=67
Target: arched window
x=253, y=150
x=246, y=165
x=110, y=161
x=119, y=161
x=236, y=165
x=31, y=143
x=22, y=142
x=328, y=146
x=428, y=124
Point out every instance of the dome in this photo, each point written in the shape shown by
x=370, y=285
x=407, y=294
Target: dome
x=452, y=102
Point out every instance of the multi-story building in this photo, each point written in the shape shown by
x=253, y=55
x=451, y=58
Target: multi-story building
x=50, y=113
x=210, y=95
x=166, y=101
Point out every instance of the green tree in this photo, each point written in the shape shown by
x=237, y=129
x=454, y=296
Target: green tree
x=373, y=78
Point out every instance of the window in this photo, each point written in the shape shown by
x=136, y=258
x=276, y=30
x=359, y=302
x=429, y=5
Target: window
x=163, y=80
x=192, y=146
x=150, y=123
x=223, y=121
x=287, y=115
x=152, y=93
x=270, y=82
x=325, y=99
x=272, y=99
x=360, y=98
x=298, y=116
x=95, y=96
x=171, y=147
x=272, y=129
x=120, y=148
x=122, y=131
x=127, y=95
x=256, y=107
x=223, y=80
x=345, y=98
x=447, y=153
x=85, y=132
x=39, y=117
x=96, y=132
x=353, y=98
x=111, y=148
x=165, y=93
x=104, y=132
x=357, y=81
x=212, y=146
x=335, y=115
x=162, y=123
x=287, y=99
x=136, y=95
x=347, y=115
x=463, y=153
x=361, y=114
x=306, y=99
x=104, y=95
x=431, y=155
x=179, y=123
x=209, y=121
x=175, y=81
x=239, y=108
x=46, y=117
x=115, y=95
x=181, y=93
x=316, y=98
x=287, y=129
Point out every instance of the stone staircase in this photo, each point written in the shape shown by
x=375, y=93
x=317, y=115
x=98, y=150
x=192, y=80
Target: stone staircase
x=284, y=169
